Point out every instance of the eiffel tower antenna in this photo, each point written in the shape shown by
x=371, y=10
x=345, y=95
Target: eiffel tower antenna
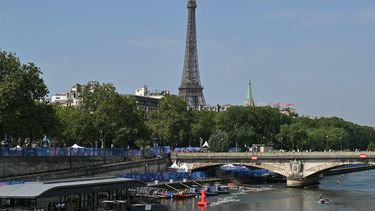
x=191, y=89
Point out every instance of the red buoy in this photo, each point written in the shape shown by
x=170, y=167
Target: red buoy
x=203, y=201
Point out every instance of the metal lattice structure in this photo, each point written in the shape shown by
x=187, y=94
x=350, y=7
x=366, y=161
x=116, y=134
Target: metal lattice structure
x=191, y=89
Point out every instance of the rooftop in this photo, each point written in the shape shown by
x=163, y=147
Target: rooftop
x=34, y=190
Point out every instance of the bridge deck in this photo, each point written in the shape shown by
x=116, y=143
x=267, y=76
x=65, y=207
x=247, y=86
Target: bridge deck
x=273, y=155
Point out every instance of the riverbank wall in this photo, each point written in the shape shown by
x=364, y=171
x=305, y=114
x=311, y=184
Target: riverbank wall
x=92, y=169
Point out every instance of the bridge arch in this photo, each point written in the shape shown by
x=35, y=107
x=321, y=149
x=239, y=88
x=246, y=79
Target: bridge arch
x=281, y=169
x=205, y=167
x=324, y=167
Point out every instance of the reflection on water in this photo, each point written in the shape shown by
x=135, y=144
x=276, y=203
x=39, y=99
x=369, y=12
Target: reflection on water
x=352, y=192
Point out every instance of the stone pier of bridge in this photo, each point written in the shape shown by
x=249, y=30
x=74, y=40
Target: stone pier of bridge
x=300, y=168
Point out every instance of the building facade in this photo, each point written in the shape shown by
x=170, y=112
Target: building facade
x=70, y=98
x=148, y=100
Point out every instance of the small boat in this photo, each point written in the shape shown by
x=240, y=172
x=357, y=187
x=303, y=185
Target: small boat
x=195, y=190
x=323, y=199
x=182, y=195
x=221, y=189
x=166, y=195
x=210, y=190
x=232, y=186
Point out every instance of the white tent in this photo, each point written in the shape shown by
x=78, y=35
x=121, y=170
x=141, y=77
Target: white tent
x=228, y=166
x=205, y=145
x=232, y=167
x=17, y=147
x=75, y=146
x=183, y=168
x=174, y=166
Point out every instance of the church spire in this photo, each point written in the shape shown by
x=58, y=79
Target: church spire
x=249, y=98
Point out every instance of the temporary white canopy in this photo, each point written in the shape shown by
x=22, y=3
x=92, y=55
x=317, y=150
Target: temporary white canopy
x=205, y=144
x=17, y=147
x=183, y=168
x=174, y=166
x=75, y=146
x=232, y=167
x=228, y=166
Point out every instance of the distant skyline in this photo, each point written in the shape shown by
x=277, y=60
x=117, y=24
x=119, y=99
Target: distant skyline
x=318, y=55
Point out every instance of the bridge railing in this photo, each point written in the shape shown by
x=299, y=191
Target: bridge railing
x=275, y=155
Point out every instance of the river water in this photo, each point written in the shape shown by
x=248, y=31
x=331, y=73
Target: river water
x=356, y=191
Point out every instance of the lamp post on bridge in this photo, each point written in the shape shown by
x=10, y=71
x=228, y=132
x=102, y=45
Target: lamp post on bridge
x=292, y=137
x=146, y=165
x=235, y=131
x=281, y=143
x=264, y=141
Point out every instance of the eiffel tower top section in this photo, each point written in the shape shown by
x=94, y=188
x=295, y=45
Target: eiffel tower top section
x=191, y=89
x=192, y=3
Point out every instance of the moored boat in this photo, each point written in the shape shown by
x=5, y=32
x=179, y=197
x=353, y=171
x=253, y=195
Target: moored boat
x=182, y=195
x=232, y=186
x=166, y=195
x=195, y=190
x=221, y=189
x=210, y=190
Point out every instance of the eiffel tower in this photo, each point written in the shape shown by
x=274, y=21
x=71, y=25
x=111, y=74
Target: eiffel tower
x=191, y=89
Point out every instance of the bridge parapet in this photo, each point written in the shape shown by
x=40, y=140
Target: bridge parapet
x=274, y=155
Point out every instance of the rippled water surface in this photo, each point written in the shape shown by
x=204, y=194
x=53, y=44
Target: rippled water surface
x=356, y=191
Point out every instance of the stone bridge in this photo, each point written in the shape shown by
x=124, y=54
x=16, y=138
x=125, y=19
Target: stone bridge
x=300, y=168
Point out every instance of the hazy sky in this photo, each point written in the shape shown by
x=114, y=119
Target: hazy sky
x=319, y=55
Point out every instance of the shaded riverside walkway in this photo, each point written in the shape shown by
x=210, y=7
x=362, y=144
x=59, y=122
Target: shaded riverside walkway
x=108, y=169
x=82, y=152
x=28, y=161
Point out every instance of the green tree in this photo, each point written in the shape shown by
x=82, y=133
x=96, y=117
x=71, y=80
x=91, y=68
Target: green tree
x=202, y=126
x=218, y=141
x=103, y=118
x=23, y=111
x=356, y=136
x=93, y=95
x=250, y=125
x=170, y=123
x=324, y=134
x=74, y=126
x=116, y=118
x=294, y=136
x=371, y=146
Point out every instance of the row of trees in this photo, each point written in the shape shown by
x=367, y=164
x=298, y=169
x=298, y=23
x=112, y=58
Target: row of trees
x=106, y=118
x=23, y=112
